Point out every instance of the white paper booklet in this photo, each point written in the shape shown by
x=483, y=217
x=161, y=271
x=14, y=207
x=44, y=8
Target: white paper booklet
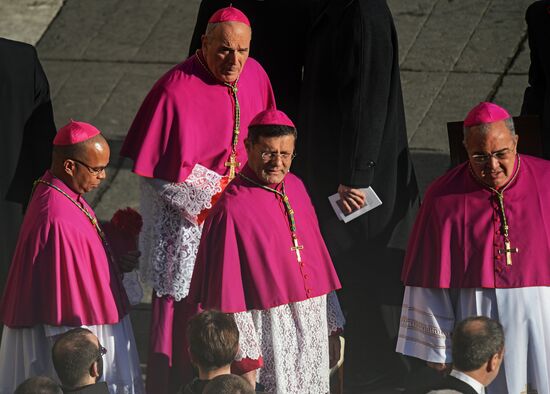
x=371, y=201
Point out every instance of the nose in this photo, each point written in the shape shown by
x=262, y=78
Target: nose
x=232, y=57
x=102, y=174
x=493, y=162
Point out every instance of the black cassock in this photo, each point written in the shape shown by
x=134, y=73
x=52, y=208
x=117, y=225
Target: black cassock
x=278, y=39
x=536, y=100
x=352, y=132
x=27, y=131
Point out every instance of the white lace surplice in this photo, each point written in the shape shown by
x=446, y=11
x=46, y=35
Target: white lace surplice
x=429, y=316
x=293, y=341
x=170, y=236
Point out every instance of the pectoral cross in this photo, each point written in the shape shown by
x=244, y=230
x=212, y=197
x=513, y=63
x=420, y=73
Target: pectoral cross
x=529, y=390
x=508, y=250
x=296, y=248
x=232, y=163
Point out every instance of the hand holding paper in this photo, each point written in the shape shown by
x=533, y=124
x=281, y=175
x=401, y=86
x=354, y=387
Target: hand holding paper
x=350, y=199
x=370, y=201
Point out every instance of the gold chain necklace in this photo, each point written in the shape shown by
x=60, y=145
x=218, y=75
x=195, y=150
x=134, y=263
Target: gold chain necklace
x=232, y=163
x=508, y=250
x=289, y=212
x=92, y=219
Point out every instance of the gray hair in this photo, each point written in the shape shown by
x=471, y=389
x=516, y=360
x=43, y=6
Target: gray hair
x=484, y=127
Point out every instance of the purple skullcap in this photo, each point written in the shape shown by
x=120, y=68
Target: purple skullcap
x=271, y=117
x=485, y=112
x=229, y=14
x=75, y=132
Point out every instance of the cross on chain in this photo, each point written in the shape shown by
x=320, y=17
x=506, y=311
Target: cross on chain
x=232, y=163
x=508, y=250
x=296, y=248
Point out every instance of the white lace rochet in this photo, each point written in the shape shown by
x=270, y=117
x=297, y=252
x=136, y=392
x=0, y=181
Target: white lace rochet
x=170, y=237
x=293, y=341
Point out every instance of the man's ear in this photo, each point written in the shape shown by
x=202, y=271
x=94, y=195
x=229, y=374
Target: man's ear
x=69, y=167
x=494, y=361
x=94, y=370
x=204, y=42
x=247, y=145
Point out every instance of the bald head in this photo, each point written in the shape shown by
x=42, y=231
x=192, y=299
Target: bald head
x=81, y=166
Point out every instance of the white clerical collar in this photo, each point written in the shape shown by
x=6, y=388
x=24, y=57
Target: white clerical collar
x=478, y=387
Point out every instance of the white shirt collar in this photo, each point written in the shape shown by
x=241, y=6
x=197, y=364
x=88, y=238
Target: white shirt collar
x=477, y=386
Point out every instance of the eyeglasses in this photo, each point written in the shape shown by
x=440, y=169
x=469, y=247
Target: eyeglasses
x=101, y=351
x=269, y=156
x=93, y=170
x=503, y=154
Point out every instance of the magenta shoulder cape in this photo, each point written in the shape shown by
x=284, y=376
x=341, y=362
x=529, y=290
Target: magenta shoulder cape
x=60, y=273
x=245, y=261
x=457, y=236
x=188, y=117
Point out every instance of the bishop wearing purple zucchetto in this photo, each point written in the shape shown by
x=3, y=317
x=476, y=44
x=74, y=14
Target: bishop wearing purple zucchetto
x=263, y=259
x=186, y=143
x=481, y=246
x=63, y=274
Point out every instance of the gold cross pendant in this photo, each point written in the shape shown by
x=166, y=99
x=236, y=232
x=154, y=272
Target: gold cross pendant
x=508, y=250
x=232, y=163
x=296, y=248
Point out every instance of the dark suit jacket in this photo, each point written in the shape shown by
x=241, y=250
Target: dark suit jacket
x=452, y=383
x=98, y=388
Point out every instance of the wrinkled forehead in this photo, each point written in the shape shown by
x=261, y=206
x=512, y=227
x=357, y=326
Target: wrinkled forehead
x=229, y=31
x=282, y=142
x=497, y=135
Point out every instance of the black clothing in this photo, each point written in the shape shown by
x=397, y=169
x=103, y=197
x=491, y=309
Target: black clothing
x=27, y=131
x=278, y=38
x=536, y=100
x=195, y=387
x=352, y=132
x=96, y=388
x=27, y=119
x=452, y=383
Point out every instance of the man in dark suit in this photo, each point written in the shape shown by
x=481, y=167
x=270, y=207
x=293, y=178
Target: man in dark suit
x=78, y=360
x=478, y=350
x=536, y=100
x=352, y=131
x=27, y=130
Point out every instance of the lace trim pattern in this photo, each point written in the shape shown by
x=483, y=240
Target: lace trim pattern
x=293, y=342
x=248, y=341
x=170, y=238
x=335, y=316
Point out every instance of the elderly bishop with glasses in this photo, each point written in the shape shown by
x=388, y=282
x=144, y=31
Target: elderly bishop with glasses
x=263, y=259
x=481, y=246
x=63, y=274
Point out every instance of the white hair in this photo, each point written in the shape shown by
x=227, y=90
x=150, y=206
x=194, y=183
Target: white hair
x=484, y=127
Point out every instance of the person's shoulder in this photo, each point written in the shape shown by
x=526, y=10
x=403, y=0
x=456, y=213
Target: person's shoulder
x=449, y=384
x=16, y=48
x=253, y=68
x=296, y=182
x=180, y=74
x=448, y=182
x=537, y=10
x=535, y=162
